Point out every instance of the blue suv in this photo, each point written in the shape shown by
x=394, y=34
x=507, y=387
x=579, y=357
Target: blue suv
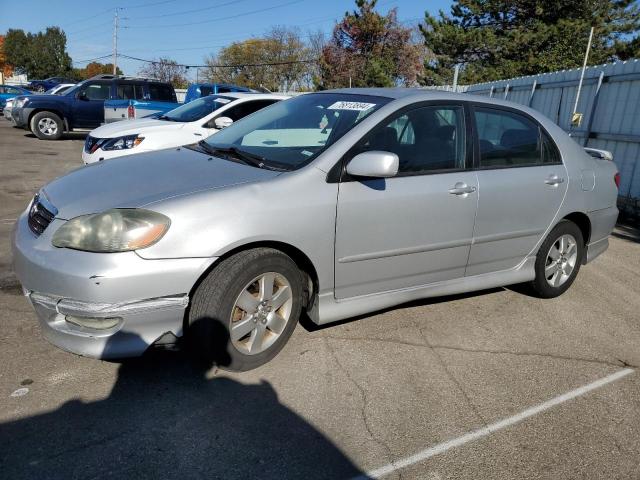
x=82, y=107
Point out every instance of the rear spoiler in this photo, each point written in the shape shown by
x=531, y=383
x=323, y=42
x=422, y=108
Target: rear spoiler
x=599, y=154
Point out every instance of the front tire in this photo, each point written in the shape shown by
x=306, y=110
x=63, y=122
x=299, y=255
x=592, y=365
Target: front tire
x=245, y=310
x=558, y=260
x=46, y=126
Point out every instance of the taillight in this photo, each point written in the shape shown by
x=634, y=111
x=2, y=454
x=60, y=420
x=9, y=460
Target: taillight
x=616, y=179
x=131, y=112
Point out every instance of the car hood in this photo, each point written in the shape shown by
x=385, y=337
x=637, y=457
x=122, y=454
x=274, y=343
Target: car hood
x=133, y=127
x=46, y=98
x=137, y=180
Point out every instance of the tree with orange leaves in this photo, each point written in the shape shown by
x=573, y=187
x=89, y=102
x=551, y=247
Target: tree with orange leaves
x=5, y=68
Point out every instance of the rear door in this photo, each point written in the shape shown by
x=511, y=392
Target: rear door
x=522, y=182
x=415, y=228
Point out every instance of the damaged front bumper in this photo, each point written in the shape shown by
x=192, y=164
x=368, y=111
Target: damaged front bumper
x=103, y=330
x=102, y=305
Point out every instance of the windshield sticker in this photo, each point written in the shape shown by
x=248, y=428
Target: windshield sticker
x=306, y=153
x=357, y=106
x=221, y=100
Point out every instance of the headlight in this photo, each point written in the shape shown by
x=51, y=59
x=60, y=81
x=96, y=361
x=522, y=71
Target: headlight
x=116, y=230
x=20, y=102
x=121, y=143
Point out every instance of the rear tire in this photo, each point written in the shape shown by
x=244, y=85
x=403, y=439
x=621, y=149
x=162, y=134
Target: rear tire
x=245, y=310
x=46, y=126
x=558, y=260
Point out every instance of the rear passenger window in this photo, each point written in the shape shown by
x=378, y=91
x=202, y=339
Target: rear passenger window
x=246, y=108
x=130, y=91
x=425, y=139
x=125, y=92
x=550, y=153
x=507, y=139
x=161, y=93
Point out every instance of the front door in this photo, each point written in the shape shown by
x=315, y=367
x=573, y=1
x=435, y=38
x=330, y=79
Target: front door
x=88, y=105
x=415, y=228
x=523, y=182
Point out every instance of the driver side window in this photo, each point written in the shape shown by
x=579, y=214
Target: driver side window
x=97, y=91
x=426, y=139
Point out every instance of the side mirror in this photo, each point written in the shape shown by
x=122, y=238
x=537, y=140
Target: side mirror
x=374, y=164
x=82, y=95
x=222, y=122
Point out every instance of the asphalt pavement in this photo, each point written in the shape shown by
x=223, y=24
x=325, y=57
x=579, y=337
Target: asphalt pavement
x=490, y=385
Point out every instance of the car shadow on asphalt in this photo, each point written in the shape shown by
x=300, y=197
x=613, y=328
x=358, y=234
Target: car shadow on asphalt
x=65, y=136
x=165, y=418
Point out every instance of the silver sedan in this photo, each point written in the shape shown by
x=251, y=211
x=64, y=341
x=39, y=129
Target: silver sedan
x=328, y=205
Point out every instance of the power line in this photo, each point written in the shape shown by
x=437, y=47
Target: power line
x=92, y=59
x=239, y=65
x=184, y=12
x=220, y=18
x=89, y=17
x=150, y=4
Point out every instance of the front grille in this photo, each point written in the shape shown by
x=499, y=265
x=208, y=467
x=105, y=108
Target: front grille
x=89, y=143
x=41, y=214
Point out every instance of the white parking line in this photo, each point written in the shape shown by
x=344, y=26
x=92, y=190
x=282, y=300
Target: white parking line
x=494, y=427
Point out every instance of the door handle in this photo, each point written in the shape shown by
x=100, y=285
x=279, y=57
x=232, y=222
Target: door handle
x=554, y=180
x=462, y=188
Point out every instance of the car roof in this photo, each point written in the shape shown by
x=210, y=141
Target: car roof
x=425, y=94
x=255, y=96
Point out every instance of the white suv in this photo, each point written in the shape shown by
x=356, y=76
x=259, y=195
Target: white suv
x=187, y=124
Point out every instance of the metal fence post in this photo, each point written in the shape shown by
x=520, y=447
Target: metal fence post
x=594, y=105
x=533, y=90
x=506, y=91
x=491, y=92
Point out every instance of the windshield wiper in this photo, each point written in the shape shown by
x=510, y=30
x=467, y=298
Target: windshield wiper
x=245, y=157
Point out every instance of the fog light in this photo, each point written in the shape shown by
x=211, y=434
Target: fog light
x=94, y=323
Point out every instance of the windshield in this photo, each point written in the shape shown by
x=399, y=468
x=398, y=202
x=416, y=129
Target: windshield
x=72, y=90
x=58, y=90
x=197, y=109
x=290, y=134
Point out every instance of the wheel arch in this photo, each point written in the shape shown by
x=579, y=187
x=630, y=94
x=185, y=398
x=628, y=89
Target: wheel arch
x=301, y=259
x=52, y=110
x=584, y=224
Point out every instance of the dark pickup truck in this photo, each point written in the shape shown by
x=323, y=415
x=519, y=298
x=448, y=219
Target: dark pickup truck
x=82, y=107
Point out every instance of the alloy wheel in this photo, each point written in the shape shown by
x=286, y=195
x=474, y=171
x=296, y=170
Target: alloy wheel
x=48, y=126
x=561, y=260
x=261, y=313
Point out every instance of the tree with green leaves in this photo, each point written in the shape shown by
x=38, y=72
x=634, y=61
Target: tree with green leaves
x=38, y=55
x=497, y=39
x=368, y=49
x=243, y=63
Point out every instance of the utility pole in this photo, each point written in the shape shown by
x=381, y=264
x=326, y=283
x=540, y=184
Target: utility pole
x=115, y=41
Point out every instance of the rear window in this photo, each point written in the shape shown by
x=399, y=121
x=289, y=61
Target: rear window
x=161, y=92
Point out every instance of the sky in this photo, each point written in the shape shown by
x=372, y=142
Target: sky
x=183, y=30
